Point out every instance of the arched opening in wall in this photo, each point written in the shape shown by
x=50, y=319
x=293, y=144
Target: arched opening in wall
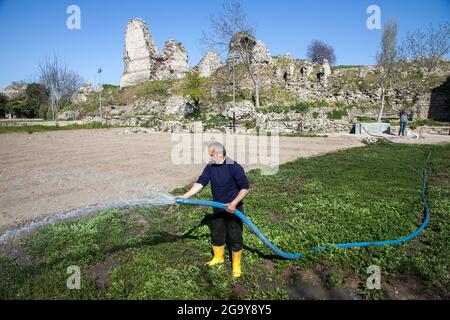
x=440, y=102
x=303, y=72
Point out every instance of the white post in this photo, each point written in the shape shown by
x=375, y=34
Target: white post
x=100, y=91
x=234, y=96
x=233, y=58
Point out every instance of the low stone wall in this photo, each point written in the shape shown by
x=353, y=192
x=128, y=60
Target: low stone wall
x=372, y=128
x=439, y=130
x=38, y=122
x=309, y=126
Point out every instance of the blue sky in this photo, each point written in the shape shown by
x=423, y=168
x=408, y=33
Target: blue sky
x=31, y=30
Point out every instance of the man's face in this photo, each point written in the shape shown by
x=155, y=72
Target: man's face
x=215, y=157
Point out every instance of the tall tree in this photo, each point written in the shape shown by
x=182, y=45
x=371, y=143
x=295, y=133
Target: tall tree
x=318, y=51
x=193, y=87
x=61, y=82
x=3, y=105
x=387, y=60
x=37, y=100
x=426, y=48
x=232, y=32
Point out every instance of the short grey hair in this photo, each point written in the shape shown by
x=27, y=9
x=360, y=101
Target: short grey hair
x=218, y=147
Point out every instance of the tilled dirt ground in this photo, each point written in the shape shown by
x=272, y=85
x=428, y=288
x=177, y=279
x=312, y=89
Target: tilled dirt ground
x=46, y=173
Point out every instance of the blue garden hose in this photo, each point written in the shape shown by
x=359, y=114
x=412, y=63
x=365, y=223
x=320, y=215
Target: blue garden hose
x=296, y=256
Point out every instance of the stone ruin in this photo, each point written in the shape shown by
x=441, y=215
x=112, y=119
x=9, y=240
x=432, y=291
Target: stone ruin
x=15, y=90
x=140, y=54
x=173, y=62
x=209, y=64
x=304, y=79
x=259, y=49
x=142, y=61
x=325, y=71
x=306, y=69
x=82, y=93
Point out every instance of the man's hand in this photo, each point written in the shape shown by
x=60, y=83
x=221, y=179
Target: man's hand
x=231, y=207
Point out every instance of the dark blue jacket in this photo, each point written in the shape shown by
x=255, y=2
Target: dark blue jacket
x=227, y=180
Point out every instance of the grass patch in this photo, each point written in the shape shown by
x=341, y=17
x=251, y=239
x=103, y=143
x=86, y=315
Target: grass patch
x=298, y=107
x=364, y=194
x=365, y=119
x=337, y=114
x=39, y=128
x=209, y=119
x=429, y=122
x=333, y=68
x=303, y=135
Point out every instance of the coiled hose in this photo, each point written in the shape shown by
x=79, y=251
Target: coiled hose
x=296, y=256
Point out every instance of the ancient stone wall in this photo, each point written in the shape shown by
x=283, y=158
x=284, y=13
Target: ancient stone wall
x=140, y=54
x=209, y=64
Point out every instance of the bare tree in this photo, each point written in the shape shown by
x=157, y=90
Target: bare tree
x=61, y=82
x=231, y=31
x=318, y=51
x=427, y=48
x=387, y=59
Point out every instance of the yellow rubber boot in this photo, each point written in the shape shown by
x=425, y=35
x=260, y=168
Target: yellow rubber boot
x=236, y=261
x=218, y=256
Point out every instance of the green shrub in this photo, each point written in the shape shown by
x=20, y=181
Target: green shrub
x=302, y=107
x=365, y=119
x=429, y=122
x=299, y=107
x=3, y=105
x=32, y=104
x=337, y=114
x=250, y=124
x=110, y=87
x=194, y=87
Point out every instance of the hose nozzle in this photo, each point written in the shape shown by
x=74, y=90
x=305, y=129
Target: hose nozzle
x=181, y=201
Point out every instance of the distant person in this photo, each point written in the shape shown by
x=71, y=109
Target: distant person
x=411, y=116
x=403, y=122
x=229, y=185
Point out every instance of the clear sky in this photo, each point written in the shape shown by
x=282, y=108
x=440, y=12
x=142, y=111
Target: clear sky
x=31, y=30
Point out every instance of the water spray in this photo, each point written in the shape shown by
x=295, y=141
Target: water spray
x=162, y=200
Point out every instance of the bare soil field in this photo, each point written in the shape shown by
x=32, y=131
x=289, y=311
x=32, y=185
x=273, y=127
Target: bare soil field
x=51, y=172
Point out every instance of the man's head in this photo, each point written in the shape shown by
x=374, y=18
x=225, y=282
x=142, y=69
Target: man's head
x=217, y=152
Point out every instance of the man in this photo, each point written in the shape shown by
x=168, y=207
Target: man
x=229, y=185
x=403, y=122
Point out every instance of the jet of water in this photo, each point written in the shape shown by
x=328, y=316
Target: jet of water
x=162, y=199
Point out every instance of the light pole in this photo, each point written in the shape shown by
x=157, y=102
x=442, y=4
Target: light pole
x=99, y=71
x=233, y=57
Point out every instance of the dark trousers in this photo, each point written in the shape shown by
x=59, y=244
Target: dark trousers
x=402, y=128
x=224, y=223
